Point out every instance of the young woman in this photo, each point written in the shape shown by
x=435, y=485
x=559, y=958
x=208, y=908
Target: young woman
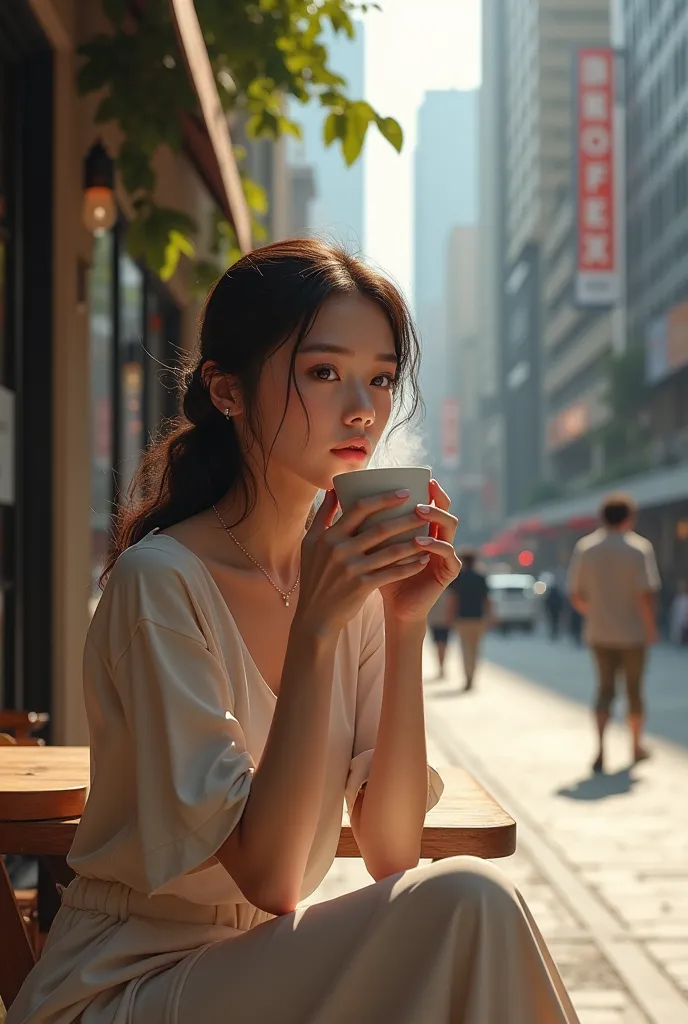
x=248, y=668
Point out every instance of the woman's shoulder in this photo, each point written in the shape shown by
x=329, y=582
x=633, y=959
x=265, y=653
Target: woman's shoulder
x=159, y=581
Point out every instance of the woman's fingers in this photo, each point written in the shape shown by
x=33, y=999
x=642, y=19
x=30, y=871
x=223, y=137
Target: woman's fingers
x=446, y=523
x=391, y=554
x=325, y=514
x=440, y=497
x=395, y=573
x=442, y=549
x=365, y=507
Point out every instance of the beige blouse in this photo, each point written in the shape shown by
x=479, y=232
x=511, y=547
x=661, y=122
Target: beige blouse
x=179, y=715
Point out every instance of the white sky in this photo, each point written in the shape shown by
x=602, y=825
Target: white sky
x=411, y=47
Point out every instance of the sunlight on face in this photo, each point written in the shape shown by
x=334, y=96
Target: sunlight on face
x=345, y=370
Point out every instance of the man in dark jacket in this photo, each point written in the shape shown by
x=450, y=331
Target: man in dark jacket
x=470, y=611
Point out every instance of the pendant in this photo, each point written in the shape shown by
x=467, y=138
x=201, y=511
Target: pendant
x=286, y=602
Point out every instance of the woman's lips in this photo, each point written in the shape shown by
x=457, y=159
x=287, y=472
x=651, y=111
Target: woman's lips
x=351, y=454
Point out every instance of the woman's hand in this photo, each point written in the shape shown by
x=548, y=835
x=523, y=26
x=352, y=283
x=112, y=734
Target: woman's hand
x=340, y=567
x=410, y=600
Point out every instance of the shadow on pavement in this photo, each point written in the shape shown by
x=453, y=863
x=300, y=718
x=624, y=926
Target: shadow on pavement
x=567, y=670
x=599, y=787
x=453, y=691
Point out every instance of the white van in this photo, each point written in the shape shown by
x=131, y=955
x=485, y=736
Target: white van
x=515, y=603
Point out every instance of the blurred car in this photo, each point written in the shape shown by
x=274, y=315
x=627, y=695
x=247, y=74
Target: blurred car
x=515, y=601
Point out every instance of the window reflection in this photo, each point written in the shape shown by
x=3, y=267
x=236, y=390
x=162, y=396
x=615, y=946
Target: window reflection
x=132, y=436
x=102, y=433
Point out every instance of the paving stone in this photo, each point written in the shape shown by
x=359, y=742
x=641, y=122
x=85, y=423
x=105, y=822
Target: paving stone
x=624, y=834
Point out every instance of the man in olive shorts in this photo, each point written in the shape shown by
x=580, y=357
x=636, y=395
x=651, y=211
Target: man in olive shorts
x=613, y=579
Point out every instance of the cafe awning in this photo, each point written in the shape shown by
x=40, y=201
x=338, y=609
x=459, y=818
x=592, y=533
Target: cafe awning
x=207, y=138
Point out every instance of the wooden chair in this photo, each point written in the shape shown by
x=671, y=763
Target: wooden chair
x=26, y=900
x=24, y=741
x=18, y=956
x=22, y=724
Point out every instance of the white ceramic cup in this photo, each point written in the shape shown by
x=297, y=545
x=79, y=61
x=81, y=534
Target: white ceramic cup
x=366, y=483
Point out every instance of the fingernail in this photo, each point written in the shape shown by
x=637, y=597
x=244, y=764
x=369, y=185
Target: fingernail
x=424, y=559
x=424, y=541
x=424, y=510
x=403, y=492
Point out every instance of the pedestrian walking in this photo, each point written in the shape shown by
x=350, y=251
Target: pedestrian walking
x=252, y=665
x=470, y=611
x=554, y=605
x=439, y=625
x=613, y=580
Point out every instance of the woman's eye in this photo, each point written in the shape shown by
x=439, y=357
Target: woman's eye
x=322, y=372
x=388, y=380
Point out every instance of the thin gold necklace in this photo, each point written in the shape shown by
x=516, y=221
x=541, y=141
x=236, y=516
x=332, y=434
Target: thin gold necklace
x=285, y=595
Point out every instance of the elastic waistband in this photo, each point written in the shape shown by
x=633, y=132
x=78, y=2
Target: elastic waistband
x=119, y=901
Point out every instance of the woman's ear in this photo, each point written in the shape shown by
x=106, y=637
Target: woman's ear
x=224, y=390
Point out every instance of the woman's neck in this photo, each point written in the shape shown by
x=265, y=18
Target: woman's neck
x=273, y=530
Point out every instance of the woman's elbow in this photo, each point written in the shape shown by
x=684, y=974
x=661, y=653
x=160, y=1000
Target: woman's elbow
x=270, y=898
x=382, y=867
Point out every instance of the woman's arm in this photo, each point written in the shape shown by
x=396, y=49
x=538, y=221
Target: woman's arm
x=389, y=813
x=267, y=852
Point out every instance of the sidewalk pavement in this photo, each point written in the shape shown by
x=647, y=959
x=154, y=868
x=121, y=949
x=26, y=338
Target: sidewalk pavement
x=608, y=855
x=602, y=862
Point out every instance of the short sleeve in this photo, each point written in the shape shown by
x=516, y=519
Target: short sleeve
x=649, y=576
x=371, y=677
x=192, y=770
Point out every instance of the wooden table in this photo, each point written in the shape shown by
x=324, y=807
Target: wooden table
x=43, y=791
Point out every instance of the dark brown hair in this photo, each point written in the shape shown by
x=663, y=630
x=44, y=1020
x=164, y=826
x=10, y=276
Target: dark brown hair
x=269, y=296
x=617, y=509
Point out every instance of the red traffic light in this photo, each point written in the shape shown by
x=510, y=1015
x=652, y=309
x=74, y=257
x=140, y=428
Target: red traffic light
x=526, y=558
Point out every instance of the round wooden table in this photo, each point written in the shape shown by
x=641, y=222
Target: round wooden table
x=39, y=783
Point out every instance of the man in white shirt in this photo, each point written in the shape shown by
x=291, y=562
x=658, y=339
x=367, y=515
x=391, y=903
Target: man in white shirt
x=613, y=580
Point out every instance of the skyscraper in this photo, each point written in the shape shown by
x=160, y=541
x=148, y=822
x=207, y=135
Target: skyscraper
x=445, y=197
x=336, y=209
x=549, y=351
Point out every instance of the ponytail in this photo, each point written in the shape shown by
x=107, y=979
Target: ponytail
x=186, y=471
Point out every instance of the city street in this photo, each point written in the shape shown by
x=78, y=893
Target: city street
x=603, y=862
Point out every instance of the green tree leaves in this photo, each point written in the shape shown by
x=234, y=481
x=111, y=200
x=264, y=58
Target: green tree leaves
x=261, y=52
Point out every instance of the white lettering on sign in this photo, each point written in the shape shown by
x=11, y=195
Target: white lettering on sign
x=596, y=141
x=597, y=281
x=596, y=249
x=595, y=69
x=596, y=106
x=596, y=213
x=596, y=175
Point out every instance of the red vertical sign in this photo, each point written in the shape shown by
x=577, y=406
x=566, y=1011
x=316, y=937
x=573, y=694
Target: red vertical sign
x=598, y=272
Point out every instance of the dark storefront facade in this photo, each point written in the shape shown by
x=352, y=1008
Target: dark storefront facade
x=26, y=154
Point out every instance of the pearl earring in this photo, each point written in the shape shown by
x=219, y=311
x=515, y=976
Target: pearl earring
x=227, y=415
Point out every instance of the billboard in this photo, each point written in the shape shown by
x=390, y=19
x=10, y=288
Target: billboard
x=597, y=264
x=451, y=433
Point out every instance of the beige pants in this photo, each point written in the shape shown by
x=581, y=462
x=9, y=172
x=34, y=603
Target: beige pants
x=471, y=632
x=452, y=943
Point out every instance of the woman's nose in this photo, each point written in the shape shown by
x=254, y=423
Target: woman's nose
x=360, y=409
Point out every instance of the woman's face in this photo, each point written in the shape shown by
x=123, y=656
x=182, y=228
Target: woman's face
x=345, y=370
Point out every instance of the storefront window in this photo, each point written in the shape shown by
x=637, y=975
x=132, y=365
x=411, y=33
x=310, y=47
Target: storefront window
x=102, y=379
x=131, y=351
x=162, y=340
x=5, y=572
x=134, y=330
